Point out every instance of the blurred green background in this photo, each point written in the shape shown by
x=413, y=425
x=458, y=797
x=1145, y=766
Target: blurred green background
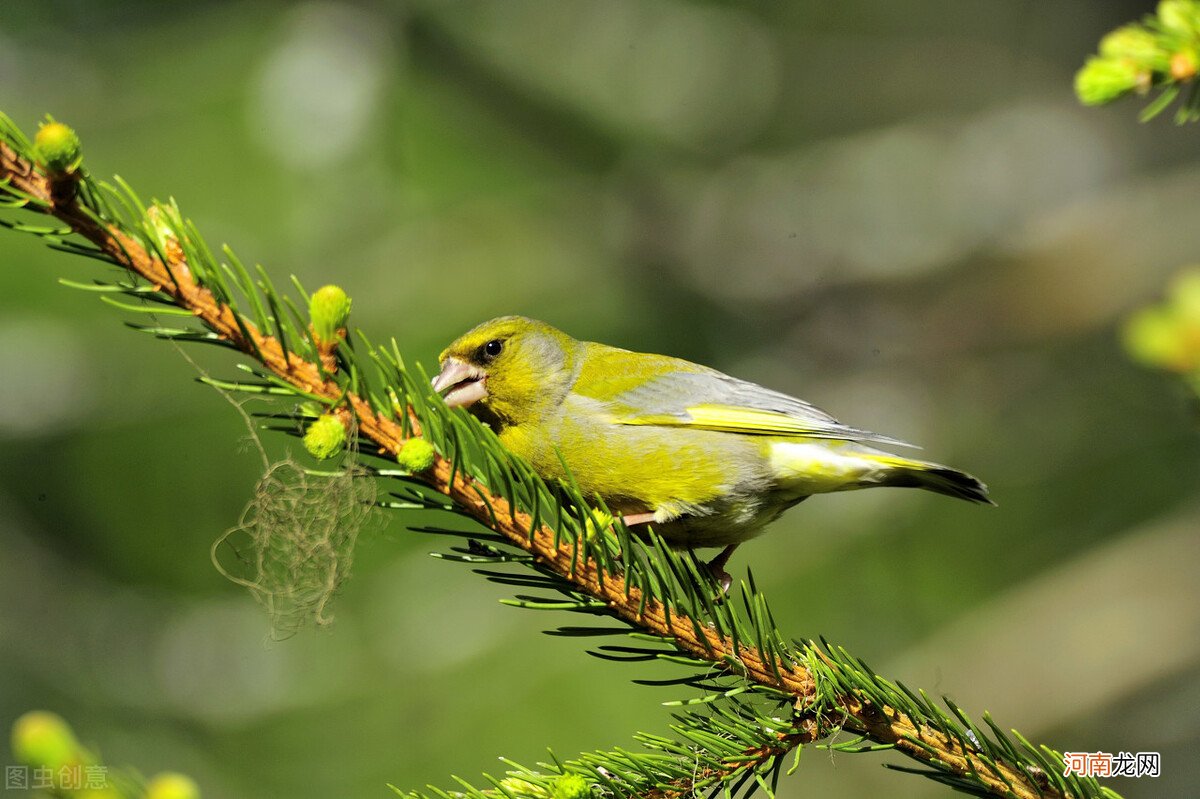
x=896, y=211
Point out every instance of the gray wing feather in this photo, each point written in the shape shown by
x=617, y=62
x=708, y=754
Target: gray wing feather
x=671, y=395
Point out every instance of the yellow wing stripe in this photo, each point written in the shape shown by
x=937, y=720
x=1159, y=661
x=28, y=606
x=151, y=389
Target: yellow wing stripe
x=730, y=419
x=756, y=421
x=746, y=420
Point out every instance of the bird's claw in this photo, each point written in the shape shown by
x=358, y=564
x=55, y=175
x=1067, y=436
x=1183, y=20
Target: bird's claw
x=723, y=579
x=716, y=567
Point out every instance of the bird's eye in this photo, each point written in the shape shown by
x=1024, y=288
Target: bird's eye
x=493, y=348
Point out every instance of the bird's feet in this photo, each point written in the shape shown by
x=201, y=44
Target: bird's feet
x=723, y=579
x=716, y=567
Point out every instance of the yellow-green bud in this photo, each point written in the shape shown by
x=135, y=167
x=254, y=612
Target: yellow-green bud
x=1105, y=79
x=397, y=408
x=170, y=785
x=416, y=455
x=325, y=437
x=160, y=217
x=57, y=147
x=1185, y=296
x=571, y=786
x=43, y=739
x=1180, y=16
x=1136, y=44
x=598, y=523
x=1184, y=64
x=523, y=788
x=1154, y=337
x=312, y=408
x=328, y=310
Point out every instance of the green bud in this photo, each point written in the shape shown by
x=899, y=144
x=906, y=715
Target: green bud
x=598, y=523
x=57, y=147
x=325, y=437
x=416, y=455
x=169, y=785
x=1184, y=64
x=163, y=219
x=1137, y=44
x=43, y=739
x=1180, y=16
x=1185, y=297
x=1103, y=80
x=523, y=788
x=312, y=408
x=328, y=310
x=1154, y=337
x=571, y=786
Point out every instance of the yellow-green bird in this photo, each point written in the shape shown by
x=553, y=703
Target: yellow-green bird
x=707, y=459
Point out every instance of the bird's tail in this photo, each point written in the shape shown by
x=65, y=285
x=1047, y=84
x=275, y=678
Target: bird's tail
x=932, y=477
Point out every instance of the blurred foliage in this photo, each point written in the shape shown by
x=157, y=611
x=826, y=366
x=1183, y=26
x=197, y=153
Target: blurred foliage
x=1167, y=335
x=1162, y=52
x=894, y=211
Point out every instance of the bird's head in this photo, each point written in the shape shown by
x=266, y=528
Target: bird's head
x=510, y=369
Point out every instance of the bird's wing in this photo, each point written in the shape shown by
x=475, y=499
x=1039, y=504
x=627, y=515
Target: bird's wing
x=641, y=389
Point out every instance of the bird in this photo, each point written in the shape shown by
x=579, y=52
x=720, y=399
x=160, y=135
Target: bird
x=704, y=459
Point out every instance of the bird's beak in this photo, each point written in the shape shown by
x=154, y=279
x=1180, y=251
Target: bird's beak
x=460, y=383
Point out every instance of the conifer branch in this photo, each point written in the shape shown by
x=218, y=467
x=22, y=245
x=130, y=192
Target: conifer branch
x=765, y=695
x=1160, y=53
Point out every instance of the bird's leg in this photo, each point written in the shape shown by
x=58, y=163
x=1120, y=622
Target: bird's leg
x=716, y=567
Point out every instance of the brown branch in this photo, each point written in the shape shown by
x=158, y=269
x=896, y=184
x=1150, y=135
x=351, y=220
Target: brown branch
x=754, y=758
x=884, y=725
